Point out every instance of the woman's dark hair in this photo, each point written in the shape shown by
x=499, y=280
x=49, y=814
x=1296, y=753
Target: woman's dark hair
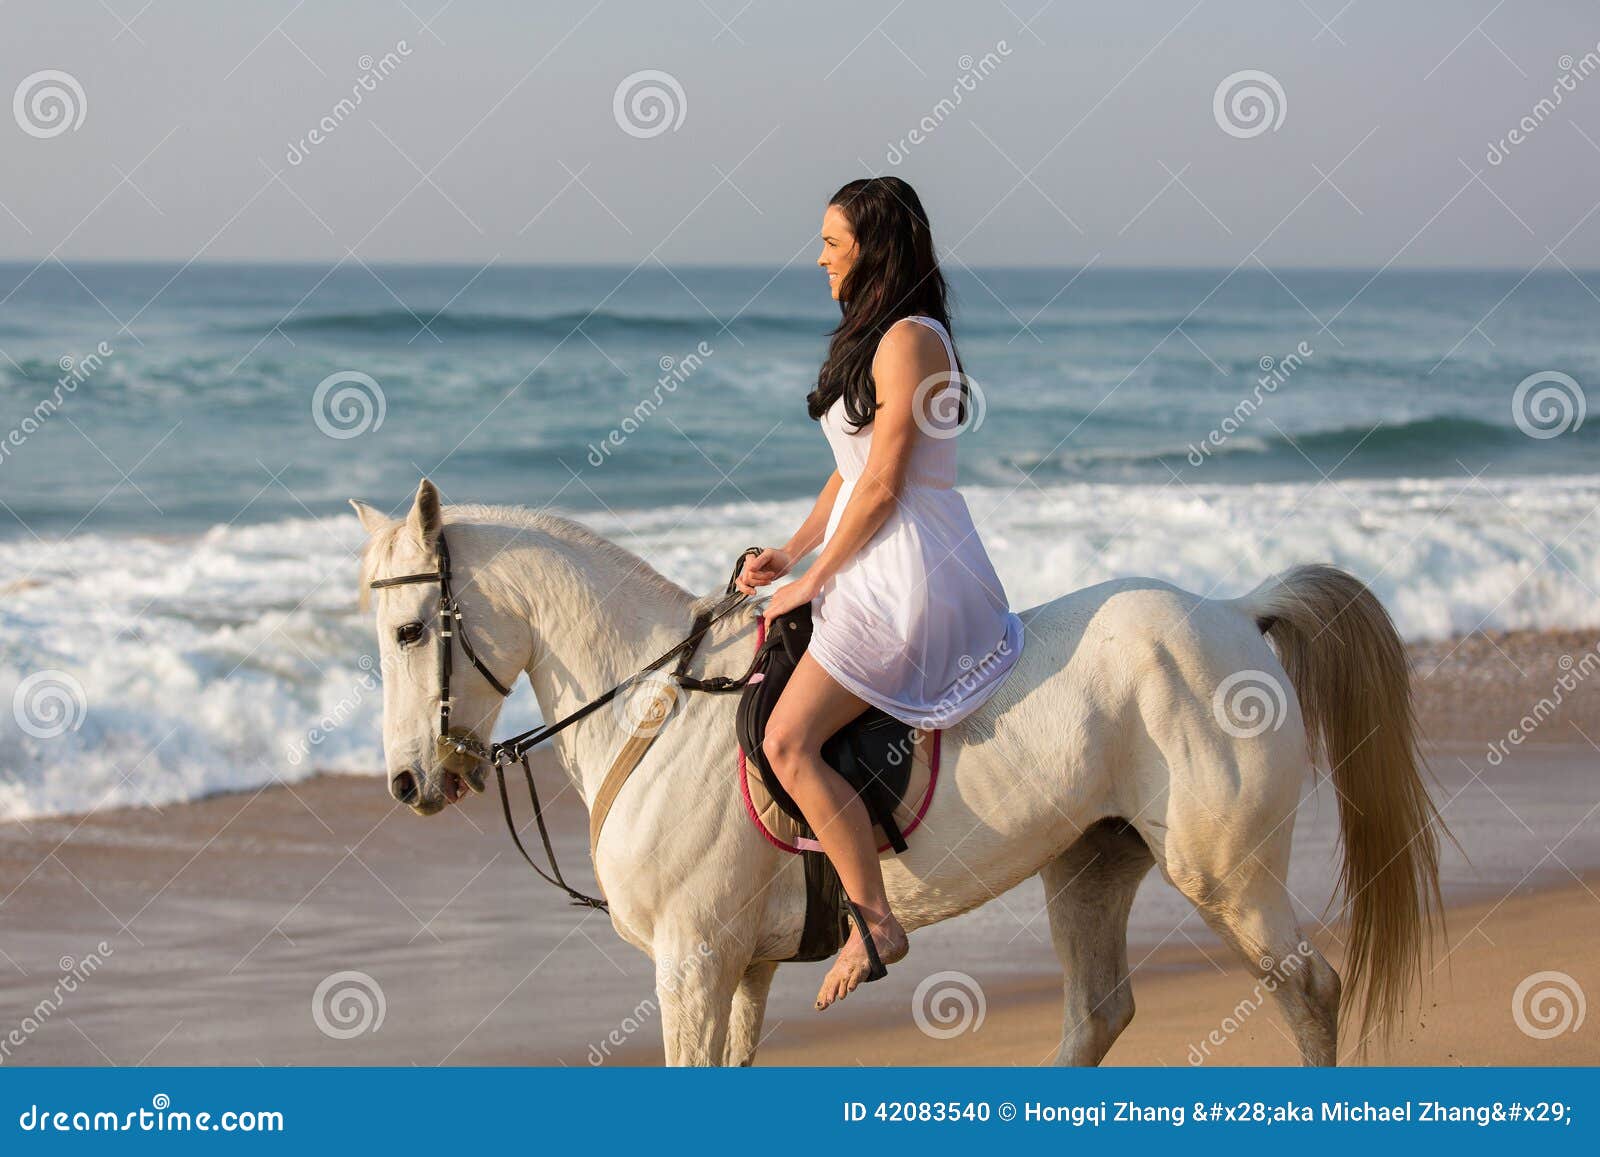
x=895, y=275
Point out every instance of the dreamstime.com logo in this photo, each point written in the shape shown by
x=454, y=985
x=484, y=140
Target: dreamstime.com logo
x=671, y=974
x=348, y=404
x=1248, y=103
x=48, y=704
x=947, y=1004
x=973, y=73
x=938, y=411
x=1548, y=1004
x=1250, y=703
x=1274, y=974
x=648, y=103
x=367, y=686
x=674, y=372
x=75, y=972
x=160, y=1117
x=645, y=702
x=347, y=1004
x=1275, y=372
x=75, y=371
x=373, y=72
x=49, y=103
x=1573, y=673
x=1572, y=72
x=1548, y=404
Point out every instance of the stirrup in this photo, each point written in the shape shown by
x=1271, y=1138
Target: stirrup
x=875, y=966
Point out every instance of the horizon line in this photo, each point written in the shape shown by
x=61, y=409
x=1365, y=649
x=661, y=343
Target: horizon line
x=754, y=266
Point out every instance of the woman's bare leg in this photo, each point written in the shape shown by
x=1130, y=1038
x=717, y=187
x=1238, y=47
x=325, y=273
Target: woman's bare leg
x=814, y=706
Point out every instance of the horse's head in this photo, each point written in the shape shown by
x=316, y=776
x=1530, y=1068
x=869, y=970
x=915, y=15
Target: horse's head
x=428, y=770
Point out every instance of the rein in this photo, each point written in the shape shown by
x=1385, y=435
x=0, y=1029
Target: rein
x=517, y=748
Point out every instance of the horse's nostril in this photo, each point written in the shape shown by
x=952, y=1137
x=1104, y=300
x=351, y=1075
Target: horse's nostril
x=404, y=787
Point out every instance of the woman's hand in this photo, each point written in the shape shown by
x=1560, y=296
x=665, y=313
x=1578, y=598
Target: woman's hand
x=768, y=566
x=787, y=597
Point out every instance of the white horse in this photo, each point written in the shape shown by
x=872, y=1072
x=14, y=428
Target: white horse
x=1142, y=725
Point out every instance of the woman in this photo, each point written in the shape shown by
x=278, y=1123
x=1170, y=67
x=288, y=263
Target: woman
x=908, y=615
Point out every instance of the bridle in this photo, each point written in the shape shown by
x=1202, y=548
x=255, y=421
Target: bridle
x=453, y=743
x=450, y=625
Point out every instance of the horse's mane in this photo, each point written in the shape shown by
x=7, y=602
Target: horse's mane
x=380, y=546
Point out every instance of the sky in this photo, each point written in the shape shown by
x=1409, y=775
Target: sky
x=1036, y=133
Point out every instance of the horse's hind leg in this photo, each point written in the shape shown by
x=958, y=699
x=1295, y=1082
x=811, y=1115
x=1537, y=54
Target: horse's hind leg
x=1249, y=907
x=1089, y=890
x=749, y=1008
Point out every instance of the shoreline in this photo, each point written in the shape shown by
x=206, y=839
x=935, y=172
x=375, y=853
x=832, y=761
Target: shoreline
x=1199, y=1007
x=223, y=918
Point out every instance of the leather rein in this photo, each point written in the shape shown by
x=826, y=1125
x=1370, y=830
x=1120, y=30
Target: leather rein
x=462, y=742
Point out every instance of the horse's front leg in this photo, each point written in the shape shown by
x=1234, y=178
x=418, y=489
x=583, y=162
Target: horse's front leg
x=695, y=983
x=749, y=1009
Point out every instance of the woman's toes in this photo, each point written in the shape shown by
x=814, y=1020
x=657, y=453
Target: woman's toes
x=829, y=993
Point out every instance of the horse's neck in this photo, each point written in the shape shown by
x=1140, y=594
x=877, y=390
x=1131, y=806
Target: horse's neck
x=597, y=619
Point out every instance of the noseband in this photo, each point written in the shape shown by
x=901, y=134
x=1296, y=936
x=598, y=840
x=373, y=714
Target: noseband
x=462, y=742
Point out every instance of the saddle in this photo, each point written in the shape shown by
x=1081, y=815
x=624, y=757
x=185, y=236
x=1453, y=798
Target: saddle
x=891, y=766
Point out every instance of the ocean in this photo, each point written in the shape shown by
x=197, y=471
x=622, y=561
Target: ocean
x=179, y=443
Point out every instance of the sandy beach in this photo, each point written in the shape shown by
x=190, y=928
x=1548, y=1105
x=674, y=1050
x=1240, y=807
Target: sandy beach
x=202, y=932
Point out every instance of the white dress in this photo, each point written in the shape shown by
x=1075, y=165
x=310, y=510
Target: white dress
x=916, y=623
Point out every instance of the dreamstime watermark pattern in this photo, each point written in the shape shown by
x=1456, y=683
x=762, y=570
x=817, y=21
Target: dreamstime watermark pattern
x=1572, y=71
x=973, y=73
x=48, y=103
x=348, y=404
x=348, y=1004
x=1548, y=404
x=74, y=972
x=670, y=974
x=645, y=702
x=74, y=373
x=1574, y=672
x=1248, y=103
x=1277, y=972
x=1275, y=372
x=674, y=372
x=1250, y=703
x=948, y=1004
x=1547, y=1004
x=974, y=674
x=648, y=103
x=48, y=704
x=372, y=72
x=367, y=684
x=938, y=411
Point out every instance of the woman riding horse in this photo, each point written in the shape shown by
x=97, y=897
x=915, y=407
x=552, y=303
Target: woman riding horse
x=909, y=614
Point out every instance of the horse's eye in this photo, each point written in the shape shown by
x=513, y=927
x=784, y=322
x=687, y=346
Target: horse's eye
x=408, y=634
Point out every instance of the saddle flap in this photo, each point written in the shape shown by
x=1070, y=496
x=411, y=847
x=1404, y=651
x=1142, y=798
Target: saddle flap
x=891, y=766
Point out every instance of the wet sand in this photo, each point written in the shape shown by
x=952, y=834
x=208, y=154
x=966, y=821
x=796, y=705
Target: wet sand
x=221, y=918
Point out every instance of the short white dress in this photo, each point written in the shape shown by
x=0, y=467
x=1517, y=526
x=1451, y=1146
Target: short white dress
x=916, y=623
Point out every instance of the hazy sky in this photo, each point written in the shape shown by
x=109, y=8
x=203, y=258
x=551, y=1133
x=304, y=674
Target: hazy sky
x=1092, y=133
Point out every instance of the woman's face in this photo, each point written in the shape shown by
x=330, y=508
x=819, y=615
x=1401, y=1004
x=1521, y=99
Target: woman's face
x=838, y=248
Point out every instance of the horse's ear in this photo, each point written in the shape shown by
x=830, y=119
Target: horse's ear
x=426, y=520
x=372, y=519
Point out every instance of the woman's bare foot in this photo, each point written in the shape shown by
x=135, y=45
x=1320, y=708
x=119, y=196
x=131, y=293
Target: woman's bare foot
x=851, y=966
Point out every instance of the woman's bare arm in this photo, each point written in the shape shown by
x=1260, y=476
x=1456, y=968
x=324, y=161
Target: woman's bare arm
x=907, y=356
x=805, y=540
x=775, y=562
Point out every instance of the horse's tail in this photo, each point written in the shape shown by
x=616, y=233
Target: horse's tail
x=1348, y=667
